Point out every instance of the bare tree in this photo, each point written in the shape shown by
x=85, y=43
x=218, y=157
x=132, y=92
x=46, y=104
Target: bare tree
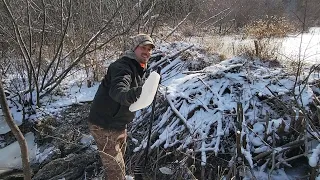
x=44, y=48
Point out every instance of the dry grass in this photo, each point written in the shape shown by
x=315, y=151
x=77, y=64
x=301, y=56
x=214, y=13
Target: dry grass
x=264, y=33
x=266, y=49
x=270, y=27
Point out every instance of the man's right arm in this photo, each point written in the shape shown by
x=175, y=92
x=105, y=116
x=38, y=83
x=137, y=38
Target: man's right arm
x=120, y=90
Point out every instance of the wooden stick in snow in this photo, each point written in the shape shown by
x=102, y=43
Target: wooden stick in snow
x=172, y=56
x=183, y=120
x=285, y=147
x=289, y=159
x=206, y=85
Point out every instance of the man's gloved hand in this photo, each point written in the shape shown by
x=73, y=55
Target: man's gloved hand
x=134, y=94
x=137, y=91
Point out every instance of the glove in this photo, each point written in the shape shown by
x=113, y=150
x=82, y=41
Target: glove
x=137, y=92
x=134, y=94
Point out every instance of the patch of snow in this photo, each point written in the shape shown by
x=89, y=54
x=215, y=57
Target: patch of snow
x=309, y=49
x=256, y=141
x=289, y=47
x=4, y=170
x=314, y=158
x=128, y=177
x=40, y=157
x=16, y=112
x=278, y=174
x=86, y=139
x=95, y=147
x=73, y=94
x=166, y=170
x=258, y=128
x=10, y=156
x=261, y=149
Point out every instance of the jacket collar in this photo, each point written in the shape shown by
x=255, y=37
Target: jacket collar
x=130, y=54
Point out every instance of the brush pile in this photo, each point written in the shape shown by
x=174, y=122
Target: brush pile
x=241, y=115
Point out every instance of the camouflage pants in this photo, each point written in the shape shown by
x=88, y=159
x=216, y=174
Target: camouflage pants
x=112, y=146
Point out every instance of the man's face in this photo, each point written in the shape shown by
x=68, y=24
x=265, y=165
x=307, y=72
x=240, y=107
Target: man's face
x=143, y=53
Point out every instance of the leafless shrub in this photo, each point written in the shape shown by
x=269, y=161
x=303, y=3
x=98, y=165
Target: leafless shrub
x=269, y=27
x=189, y=31
x=267, y=49
x=264, y=32
x=52, y=38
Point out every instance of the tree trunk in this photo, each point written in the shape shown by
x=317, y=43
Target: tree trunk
x=16, y=132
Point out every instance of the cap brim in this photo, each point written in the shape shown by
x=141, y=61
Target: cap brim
x=147, y=43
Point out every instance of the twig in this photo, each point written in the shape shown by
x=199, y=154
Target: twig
x=212, y=17
x=267, y=125
x=258, y=135
x=284, y=148
x=228, y=176
x=289, y=159
x=280, y=102
x=54, y=137
x=183, y=120
x=273, y=155
x=175, y=28
x=206, y=85
x=172, y=56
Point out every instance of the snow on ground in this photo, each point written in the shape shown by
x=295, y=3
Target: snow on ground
x=314, y=158
x=10, y=156
x=309, y=44
x=305, y=45
x=276, y=175
x=16, y=115
x=73, y=90
x=42, y=156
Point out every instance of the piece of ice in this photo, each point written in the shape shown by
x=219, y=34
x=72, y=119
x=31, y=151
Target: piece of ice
x=148, y=92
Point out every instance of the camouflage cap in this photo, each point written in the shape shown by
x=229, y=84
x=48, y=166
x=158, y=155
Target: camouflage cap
x=141, y=40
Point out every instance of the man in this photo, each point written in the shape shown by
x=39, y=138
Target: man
x=109, y=113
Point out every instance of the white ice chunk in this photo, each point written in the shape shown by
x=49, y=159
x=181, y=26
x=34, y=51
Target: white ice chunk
x=148, y=92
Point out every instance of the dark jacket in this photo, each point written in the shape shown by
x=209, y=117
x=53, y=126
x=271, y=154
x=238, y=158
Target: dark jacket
x=117, y=91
